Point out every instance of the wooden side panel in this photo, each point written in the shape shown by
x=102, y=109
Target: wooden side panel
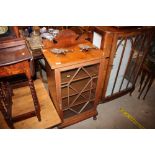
x=109, y=50
x=52, y=88
x=100, y=82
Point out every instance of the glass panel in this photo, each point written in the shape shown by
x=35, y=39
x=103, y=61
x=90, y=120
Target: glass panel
x=115, y=68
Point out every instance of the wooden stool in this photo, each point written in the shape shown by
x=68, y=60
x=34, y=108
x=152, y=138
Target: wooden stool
x=148, y=76
x=15, y=59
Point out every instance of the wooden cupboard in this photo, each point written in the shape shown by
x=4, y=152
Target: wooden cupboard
x=74, y=82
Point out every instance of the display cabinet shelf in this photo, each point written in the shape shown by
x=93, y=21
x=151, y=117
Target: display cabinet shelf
x=74, y=92
x=76, y=110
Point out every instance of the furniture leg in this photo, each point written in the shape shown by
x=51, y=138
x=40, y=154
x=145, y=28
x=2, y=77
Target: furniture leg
x=147, y=79
x=149, y=85
x=6, y=108
x=9, y=99
x=35, y=99
x=95, y=117
x=40, y=71
x=142, y=80
x=7, y=119
x=41, y=67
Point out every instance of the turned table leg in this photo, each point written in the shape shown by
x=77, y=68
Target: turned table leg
x=35, y=99
x=33, y=91
x=6, y=104
x=6, y=117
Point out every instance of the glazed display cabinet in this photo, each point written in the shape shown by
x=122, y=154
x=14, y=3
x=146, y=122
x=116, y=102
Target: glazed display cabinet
x=126, y=49
x=74, y=81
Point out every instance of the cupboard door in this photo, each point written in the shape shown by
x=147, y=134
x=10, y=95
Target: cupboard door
x=78, y=89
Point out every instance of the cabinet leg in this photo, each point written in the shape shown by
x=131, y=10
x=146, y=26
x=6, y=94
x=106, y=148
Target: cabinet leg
x=142, y=80
x=95, y=117
x=149, y=85
x=130, y=93
x=146, y=82
x=35, y=99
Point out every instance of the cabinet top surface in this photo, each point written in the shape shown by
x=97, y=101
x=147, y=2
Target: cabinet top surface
x=72, y=57
x=122, y=29
x=13, y=51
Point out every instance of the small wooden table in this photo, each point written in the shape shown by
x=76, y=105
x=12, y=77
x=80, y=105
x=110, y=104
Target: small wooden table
x=15, y=59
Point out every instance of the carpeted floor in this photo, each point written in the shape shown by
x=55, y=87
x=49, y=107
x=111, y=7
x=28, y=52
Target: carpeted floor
x=110, y=116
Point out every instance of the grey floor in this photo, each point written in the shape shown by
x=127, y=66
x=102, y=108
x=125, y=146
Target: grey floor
x=110, y=117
